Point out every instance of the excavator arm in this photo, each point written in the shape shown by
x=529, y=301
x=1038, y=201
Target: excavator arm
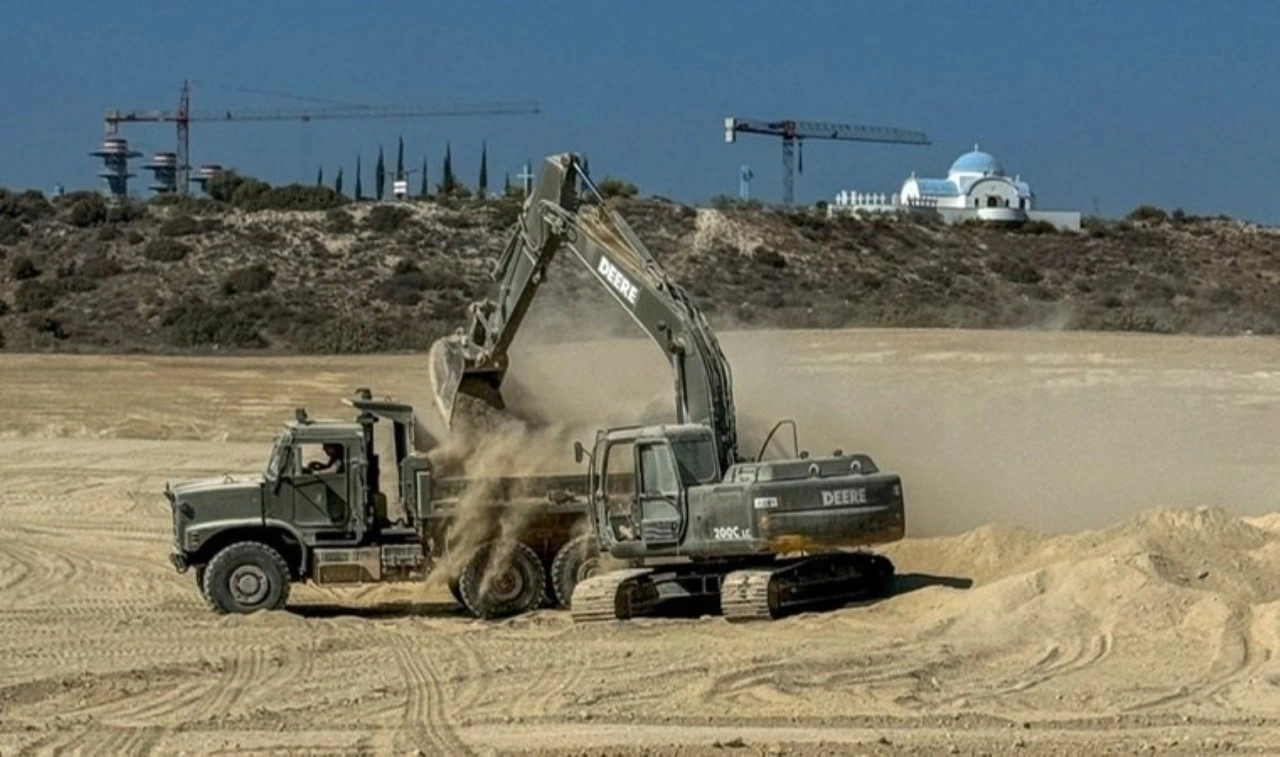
x=566, y=210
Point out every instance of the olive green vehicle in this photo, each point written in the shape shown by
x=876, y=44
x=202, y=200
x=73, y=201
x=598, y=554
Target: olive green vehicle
x=248, y=538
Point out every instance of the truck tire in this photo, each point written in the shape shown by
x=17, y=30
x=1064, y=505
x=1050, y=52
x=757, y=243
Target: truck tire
x=246, y=577
x=516, y=587
x=200, y=581
x=456, y=592
x=576, y=560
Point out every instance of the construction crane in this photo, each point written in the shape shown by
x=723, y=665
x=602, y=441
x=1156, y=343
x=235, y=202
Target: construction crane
x=184, y=117
x=794, y=133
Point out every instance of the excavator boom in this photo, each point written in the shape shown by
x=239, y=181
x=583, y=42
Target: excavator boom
x=567, y=210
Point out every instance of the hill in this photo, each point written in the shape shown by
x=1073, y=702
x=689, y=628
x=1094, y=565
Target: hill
x=197, y=275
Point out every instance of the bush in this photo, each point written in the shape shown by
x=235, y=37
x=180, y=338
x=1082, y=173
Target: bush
x=166, y=251
x=180, y=226
x=1147, y=214
x=135, y=238
x=506, y=211
x=224, y=185
x=30, y=205
x=11, y=230
x=386, y=219
x=126, y=211
x=4, y=308
x=199, y=206
x=86, y=211
x=338, y=221
x=248, y=280
x=290, y=197
x=23, y=267
x=100, y=266
x=1036, y=227
x=198, y=324
x=771, y=258
x=34, y=296
x=108, y=233
x=43, y=324
x=611, y=187
x=341, y=335
x=1017, y=270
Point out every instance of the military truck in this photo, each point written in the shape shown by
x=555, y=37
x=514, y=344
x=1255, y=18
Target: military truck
x=320, y=512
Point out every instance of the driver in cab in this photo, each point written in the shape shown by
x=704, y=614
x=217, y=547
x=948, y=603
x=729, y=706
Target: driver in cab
x=333, y=465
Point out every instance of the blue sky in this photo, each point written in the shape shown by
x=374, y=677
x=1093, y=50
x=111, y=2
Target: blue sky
x=1100, y=105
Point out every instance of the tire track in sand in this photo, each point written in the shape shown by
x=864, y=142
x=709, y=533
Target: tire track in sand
x=426, y=722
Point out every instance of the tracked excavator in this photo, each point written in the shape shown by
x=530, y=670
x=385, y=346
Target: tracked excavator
x=691, y=518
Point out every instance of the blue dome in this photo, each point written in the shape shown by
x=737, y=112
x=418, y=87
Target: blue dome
x=977, y=162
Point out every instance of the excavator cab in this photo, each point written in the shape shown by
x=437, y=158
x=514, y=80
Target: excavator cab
x=640, y=478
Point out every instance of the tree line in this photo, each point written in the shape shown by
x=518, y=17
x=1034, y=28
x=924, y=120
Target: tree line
x=450, y=185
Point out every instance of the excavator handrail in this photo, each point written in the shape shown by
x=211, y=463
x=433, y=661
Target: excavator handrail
x=555, y=215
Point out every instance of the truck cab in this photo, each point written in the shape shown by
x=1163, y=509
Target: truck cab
x=317, y=512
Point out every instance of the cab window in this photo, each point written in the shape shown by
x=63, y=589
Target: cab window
x=620, y=469
x=321, y=458
x=658, y=472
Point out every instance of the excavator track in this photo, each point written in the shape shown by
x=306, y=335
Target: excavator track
x=744, y=595
x=809, y=583
x=608, y=596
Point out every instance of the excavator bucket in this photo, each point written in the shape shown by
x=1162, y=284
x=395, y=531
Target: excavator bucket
x=452, y=373
x=445, y=364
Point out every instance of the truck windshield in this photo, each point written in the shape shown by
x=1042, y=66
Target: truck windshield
x=279, y=456
x=696, y=459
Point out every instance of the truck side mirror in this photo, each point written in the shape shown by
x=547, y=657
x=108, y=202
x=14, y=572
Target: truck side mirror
x=578, y=452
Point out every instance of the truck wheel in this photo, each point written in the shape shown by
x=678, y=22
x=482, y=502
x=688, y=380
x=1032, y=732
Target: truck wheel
x=456, y=592
x=246, y=577
x=576, y=560
x=515, y=587
x=200, y=581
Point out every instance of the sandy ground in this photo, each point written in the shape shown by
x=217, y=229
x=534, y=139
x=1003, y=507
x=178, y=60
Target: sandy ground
x=1092, y=569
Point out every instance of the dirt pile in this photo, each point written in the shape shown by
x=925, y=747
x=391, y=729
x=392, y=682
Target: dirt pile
x=205, y=276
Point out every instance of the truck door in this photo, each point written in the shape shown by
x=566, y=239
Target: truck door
x=321, y=499
x=660, y=497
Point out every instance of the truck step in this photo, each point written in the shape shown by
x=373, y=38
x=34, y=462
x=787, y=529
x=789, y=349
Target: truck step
x=607, y=596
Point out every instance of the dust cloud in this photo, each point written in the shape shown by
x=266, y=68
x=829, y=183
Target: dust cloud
x=1049, y=431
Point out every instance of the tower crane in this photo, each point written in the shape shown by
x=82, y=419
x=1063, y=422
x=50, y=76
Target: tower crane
x=793, y=134
x=184, y=117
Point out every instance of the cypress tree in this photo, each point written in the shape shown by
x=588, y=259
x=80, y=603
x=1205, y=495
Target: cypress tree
x=400, y=159
x=506, y=184
x=379, y=175
x=359, y=189
x=337, y=182
x=320, y=176
x=426, y=188
x=446, y=179
x=483, y=190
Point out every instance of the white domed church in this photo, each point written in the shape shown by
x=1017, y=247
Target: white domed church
x=976, y=186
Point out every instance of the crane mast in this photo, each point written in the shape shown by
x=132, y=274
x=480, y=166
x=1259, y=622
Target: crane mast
x=556, y=215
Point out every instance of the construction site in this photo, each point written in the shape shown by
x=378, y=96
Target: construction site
x=732, y=397
x=580, y=514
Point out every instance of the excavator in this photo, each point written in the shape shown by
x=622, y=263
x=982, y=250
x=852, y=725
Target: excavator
x=677, y=504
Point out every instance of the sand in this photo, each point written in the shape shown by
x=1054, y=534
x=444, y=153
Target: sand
x=1092, y=565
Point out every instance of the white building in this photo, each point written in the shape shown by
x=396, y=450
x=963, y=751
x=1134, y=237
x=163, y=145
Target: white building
x=976, y=187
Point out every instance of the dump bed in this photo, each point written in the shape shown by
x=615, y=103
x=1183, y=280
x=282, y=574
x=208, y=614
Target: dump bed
x=555, y=491
x=553, y=509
